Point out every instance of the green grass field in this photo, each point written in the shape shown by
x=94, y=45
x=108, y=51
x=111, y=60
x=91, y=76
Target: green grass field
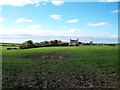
x=60, y=67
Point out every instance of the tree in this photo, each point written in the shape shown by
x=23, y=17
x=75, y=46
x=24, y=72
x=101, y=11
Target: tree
x=27, y=44
x=46, y=43
x=51, y=43
x=37, y=44
x=91, y=42
x=22, y=46
x=55, y=42
x=59, y=42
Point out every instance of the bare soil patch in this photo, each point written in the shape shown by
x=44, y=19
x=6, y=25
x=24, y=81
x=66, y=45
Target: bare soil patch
x=51, y=56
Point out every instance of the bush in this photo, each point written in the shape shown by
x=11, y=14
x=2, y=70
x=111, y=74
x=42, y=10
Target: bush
x=11, y=48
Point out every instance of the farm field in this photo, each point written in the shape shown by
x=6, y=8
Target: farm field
x=60, y=67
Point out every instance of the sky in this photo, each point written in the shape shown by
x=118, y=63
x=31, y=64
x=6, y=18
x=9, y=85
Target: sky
x=41, y=20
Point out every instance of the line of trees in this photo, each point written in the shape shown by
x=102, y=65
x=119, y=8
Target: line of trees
x=30, y=44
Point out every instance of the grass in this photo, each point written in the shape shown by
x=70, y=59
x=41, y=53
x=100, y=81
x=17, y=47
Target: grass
x=78, y=67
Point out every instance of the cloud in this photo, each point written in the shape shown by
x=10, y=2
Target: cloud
x=19, y=2
x=27, y=2
x=115, y=11
x=1, y=19
x=44, y=3
x=22, y=34
x=18, y=33
x=109, y=0
x=74, y=30
x=56, y=16
x=36, y=26
x=100, y=24
x=73, y=21
x=22, y=20
x=57, y=2
x=25, y=32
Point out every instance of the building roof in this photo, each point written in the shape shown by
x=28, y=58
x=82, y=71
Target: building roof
x=73, y=40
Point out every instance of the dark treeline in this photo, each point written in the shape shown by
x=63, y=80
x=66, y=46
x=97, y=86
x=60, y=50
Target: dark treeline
x=30, y=44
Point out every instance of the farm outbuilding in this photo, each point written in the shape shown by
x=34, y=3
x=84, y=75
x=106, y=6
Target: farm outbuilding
x=74, y=42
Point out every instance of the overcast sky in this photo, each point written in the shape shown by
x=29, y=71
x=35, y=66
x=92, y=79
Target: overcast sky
x=56, y=19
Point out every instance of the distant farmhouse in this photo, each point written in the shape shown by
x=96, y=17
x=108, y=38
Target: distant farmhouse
x=75, y=42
